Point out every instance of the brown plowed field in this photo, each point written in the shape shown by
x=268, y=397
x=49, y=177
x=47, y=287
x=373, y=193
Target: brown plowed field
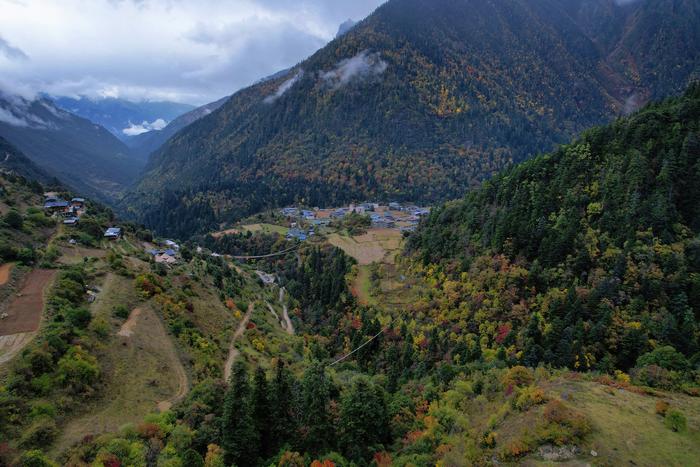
x=24, y=313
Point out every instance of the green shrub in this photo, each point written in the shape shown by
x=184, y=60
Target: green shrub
x=41, y=432
x=14, y=219
x=43, y=409
x=35, y=458
x=675, y=420
x=121, y=312
x=666, y=357
x=79, y=317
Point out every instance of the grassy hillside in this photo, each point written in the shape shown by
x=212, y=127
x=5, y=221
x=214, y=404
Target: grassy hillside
x=419, y=102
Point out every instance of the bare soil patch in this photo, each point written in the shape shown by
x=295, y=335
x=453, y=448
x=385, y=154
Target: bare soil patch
x=127, y=328
x=5, y=271
x=24, y=313
x=11, y=345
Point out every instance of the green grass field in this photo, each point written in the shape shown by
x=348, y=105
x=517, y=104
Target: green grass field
x=266, y=228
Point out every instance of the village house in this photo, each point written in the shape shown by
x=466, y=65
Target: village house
x=53, y=204
x=113, y=233
x=290, y=212
x=296, y=234
x=71, y=220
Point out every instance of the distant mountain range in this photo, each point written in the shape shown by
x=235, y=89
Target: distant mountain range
x=123, y=118
x=81, y=154
x=421, y=101
x=144, y=144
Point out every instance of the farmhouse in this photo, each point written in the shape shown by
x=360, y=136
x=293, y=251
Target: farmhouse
x=113, y=233
x=71, y=220
x=296, y=234
x=53, y=204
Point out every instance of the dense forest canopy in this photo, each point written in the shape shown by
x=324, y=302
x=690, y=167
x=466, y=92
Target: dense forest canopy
x=596, y=244
x=419, y=102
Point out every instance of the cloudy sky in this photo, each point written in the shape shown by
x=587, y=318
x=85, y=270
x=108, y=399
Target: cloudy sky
x=192, y=51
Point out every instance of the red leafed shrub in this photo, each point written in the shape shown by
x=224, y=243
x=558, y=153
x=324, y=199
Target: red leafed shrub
x=250, y=325
x=382, y=459
x=149, y=430
x=502, y=333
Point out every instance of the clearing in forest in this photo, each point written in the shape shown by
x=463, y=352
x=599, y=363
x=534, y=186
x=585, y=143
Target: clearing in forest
x=377, y=245
x=142, y=371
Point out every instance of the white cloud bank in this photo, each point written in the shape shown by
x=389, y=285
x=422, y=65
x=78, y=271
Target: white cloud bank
x=191, y=51
x=284, y=87
x=360, y=66
x=144, y=127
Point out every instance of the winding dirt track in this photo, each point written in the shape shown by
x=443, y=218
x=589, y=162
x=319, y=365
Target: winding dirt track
x=289, y=327
x=232, y=350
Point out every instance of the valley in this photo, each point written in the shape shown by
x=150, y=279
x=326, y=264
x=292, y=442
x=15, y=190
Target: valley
x=453, y=233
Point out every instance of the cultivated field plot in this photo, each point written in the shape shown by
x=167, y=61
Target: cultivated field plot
x=266, y=228
x=74, y=254
x=377, y=245
x=225, y=232
x=24, y=313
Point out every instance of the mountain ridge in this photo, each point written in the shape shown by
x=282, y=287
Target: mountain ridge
x=454, y=90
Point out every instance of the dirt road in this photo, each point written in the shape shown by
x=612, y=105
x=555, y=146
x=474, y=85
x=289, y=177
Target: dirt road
x=285, y=313
x=232, y=350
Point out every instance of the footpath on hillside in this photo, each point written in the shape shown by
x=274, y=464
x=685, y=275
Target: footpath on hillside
x=232, y=350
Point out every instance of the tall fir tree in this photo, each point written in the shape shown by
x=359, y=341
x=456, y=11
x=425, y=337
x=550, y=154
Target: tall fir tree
x=238, y=436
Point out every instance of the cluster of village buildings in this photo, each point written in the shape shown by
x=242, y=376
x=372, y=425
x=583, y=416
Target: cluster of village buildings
x=390, y=216
x=166, y=255
x=69, y=211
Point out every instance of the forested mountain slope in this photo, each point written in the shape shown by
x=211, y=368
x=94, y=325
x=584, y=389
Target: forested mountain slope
x=14, y=162
x=589, y=256
x=420, y=101
x=81, y=154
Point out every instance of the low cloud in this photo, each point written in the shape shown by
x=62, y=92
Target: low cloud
x=284, y=87
x=10, y=51
x=632, y=104
x=360, y=66
x=144, y=127
x=8, y=117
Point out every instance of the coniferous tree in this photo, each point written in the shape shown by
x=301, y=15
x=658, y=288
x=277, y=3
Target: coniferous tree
x=283, y=426
x=316, y=421
x=364, y=423
x=238, y=437
x=261, y=411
